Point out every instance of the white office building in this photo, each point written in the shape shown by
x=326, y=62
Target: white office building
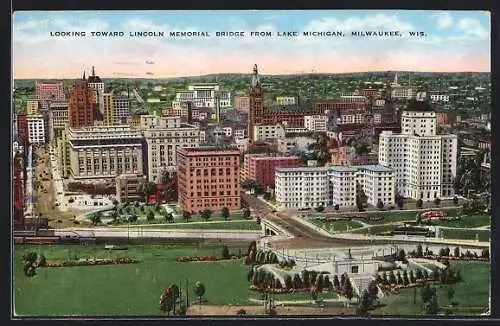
x=440, y=98
x=36, y=129
x=203, y=95
x=163, y=136
x=316, y=123
x=334, y=185
x=263, y=132
x=285, y=100
x=424, y=162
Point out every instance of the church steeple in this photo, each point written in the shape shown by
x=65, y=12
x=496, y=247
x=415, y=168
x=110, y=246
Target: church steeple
x=255, y=76
x=84, y=75
x=93, y=71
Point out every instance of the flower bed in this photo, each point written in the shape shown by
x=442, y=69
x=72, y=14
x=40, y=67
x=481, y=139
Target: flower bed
x=91, y=262
x=186, y=259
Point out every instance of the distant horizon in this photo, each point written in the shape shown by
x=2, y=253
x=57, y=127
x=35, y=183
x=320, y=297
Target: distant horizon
x=402, y=77
x=176, y=44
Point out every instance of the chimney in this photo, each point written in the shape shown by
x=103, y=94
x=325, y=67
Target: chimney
x=190, y=112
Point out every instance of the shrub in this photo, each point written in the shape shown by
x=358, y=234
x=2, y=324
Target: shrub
x=241, y=312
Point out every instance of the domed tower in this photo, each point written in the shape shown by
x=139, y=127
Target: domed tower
x=256, y=111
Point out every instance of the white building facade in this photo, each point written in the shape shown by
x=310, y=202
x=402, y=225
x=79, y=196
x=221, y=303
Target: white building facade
x=203, y=95
x=335, y=185
x=163, y=136
x=316, y=123
x=104, y=152
x=440, y=98
x=424, y=162
x=263, y=132
x=36, y=129
x=285, y=100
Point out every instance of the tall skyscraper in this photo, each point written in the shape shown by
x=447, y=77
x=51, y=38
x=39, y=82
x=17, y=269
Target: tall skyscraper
x=256, y=110
x=97, y=85
x=81, y=104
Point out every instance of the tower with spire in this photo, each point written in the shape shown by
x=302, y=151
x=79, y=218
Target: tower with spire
x=97, y=85
x=256, y=96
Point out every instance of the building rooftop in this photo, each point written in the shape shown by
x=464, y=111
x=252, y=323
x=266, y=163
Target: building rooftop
x=374, y=168
x=419, y=107
x=335, y=168
x=210, y=149
x=265, y=156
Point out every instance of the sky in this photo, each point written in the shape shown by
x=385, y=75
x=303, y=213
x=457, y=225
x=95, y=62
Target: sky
x=454, y=41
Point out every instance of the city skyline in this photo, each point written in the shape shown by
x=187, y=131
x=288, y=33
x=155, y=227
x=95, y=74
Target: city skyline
x=455, y=41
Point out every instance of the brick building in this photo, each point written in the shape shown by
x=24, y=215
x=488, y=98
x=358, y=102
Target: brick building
x=18, y=191
x=262, y=167
x=258, y=115
x=127, y=186
x=208, y=178
x=81, y=105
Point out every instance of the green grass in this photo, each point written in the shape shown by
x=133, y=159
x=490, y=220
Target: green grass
x=123, y=289
x=472, y=221
x=471, y=294
x=482, y=235
x=338, y=226
x=374, y=229
x=223, y=225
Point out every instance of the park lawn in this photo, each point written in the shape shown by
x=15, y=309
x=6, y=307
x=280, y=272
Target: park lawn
x=218, y=225
x=468, y=221
x=464, y=234
x=472, y=294
x=374, y=230
x=337, y=226
x=123, y=289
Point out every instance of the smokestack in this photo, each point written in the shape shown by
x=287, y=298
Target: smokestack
x=190, y=112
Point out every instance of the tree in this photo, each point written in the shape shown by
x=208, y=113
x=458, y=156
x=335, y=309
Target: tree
x=437, y=201
x=336, y=207
x=426, y=293
x=297, y=282
x=169, y=217
x=150, y=216
x=392, y=278
x=95, y=218
x=165, y=177
x=359, y=203
x=206, y=214
x=419, y=203
x=186, y=215
x=250, y=274
x=401, y=255
x=418, y=218
x=305, y=278
x=146, y=189
x=380, y=204
x=132, y=218
x=167, y=302
x=319, y=209
x=485, y=253
x=455, y=200
x=288, y=282
x=199, y=290
x=348, y=290
x=400, y=201
x=225, y=213
x=450, y=292
x=419, y=250
x=246, y=212
x=225, y=252
x=432, y=308
x=336, y=282
x=314, y=293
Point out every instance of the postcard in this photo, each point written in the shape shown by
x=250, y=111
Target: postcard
x=280, y=163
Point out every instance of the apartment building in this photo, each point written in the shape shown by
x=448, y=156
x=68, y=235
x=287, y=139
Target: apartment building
x=425, y=162
x=162, y=137
x=104, y=152
x=264, y=132
x=203, y=95
x=209, y=178
x=116, y=109
x=335, y=185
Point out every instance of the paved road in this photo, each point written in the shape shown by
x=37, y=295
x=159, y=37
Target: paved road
x=304, y=237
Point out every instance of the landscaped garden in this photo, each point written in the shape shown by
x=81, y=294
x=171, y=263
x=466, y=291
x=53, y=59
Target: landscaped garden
x=470, y=296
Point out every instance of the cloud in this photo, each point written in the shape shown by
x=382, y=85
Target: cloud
x=138, y=24
x=444, y=20
x=473, y=27
x=30, y=24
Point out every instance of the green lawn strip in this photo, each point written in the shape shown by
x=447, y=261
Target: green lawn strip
x=471, y=294
x=230, y=225
x=123, y=289
x=472, y=221
x=297, y=296
x=464, y=234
